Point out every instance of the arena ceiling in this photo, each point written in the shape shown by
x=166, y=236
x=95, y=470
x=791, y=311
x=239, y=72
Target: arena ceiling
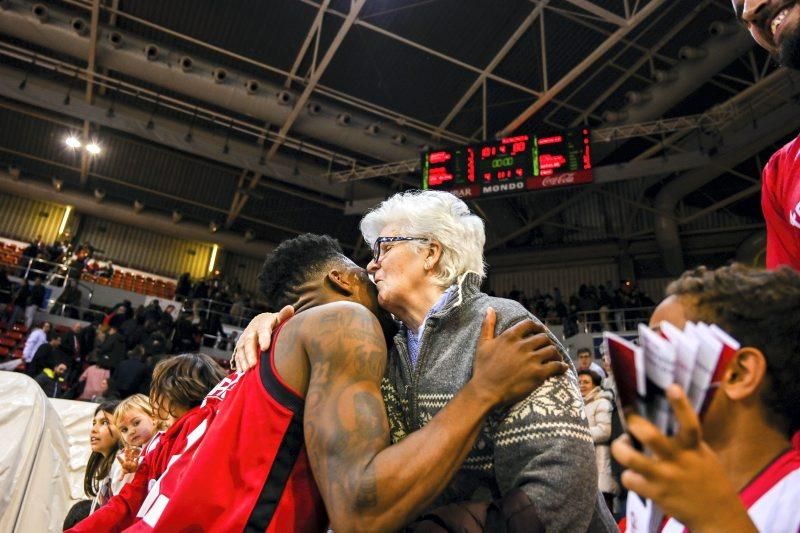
x=271, y=118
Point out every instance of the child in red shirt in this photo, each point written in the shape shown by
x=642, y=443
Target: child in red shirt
x=178, y=389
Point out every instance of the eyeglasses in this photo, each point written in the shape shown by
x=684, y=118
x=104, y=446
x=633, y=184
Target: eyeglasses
x=376, y=247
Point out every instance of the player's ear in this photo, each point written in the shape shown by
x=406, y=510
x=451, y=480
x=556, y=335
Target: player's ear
x=339, y=280
x=745, y=374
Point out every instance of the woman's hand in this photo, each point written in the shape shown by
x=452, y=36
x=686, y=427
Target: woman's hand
x=256, y=337
x=683, y=476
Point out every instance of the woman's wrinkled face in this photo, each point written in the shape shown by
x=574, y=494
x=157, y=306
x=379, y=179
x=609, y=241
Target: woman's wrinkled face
x=399, y=272
x=104, y=436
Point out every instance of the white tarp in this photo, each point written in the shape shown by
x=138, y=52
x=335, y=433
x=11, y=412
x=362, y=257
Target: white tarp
x=35, y=492
x=76, y=417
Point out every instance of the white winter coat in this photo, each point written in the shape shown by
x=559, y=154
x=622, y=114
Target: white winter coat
x=599, y=410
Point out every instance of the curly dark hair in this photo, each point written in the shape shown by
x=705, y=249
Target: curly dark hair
x=294, y=262
x=760, y=308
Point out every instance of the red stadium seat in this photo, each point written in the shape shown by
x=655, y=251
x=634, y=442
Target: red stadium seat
x=7, y=342
x=4, y=351
x=18, y=353
x=20, y=327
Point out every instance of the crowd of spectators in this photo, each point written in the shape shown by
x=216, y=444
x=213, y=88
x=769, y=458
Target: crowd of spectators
x=591, y=308
x=111, y=358
x=61, y=261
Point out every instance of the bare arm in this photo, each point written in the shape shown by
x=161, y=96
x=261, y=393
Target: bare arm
x=367, y=484
x=684, y=477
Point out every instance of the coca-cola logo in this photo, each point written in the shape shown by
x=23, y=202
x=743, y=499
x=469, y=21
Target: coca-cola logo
x=561, y=179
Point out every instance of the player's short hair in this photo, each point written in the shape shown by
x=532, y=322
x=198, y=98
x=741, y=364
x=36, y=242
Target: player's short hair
x=759, y=308
x=293, y=263
x=585, y=350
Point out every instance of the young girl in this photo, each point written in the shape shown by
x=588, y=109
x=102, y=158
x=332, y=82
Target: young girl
x=137, y=425
x=98, y=481
x=179, y=386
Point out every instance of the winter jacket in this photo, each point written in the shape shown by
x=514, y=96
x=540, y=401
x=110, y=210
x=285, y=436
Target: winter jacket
x=541, y=445
x=599, y=411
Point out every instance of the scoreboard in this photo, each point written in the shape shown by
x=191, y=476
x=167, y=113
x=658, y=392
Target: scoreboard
x=514, y=164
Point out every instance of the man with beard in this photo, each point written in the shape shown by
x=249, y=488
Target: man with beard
x=775, y=26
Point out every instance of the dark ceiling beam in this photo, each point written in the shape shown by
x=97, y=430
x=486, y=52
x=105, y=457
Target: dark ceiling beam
x=124, y=214
x=333, y=94
x=599, y=11
x=169, y=132
x=581, y=67
x=314, y=31
x=355, y=8
x=435, y=53
x=541, y=219
x=665, y=39
x=738, y=146
x=89, y=94
x=496, y=60
x=147, y=190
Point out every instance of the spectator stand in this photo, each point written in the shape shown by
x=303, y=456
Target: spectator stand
x=125, y=278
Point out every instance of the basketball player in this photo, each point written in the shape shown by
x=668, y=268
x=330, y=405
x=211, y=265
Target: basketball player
x=307, y=430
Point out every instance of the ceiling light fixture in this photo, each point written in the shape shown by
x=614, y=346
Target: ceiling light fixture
x=93, y=148
x=73, y=142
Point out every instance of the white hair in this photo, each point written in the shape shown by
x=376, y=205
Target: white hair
x=437, y=216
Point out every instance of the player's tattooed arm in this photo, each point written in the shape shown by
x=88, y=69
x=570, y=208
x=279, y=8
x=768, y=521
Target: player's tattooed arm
x=368, y=485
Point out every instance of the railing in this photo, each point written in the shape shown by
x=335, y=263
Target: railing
x=83, y=313
x=57, y=272
x=222, y=309
x=620, y=319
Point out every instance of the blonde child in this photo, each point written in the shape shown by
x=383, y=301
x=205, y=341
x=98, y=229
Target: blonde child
x=137, y=425
x=180, y=385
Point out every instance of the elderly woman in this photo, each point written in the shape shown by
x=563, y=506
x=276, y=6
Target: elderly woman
x=599, y=410
x=428, y=266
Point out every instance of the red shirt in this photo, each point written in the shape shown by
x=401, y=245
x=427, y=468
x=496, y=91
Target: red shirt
x=249, y=472
x=120, y=511
x=780, y=202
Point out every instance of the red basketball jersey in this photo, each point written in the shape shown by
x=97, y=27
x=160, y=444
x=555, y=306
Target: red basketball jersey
x=249, y=471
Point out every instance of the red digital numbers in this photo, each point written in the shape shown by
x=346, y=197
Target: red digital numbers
x=549, y=161
x=555, y=139
x=470, y=165
x=438, y=175
x=439, y=157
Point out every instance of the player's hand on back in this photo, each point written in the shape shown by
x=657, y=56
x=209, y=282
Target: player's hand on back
x=256, y=337
x=512, y=365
